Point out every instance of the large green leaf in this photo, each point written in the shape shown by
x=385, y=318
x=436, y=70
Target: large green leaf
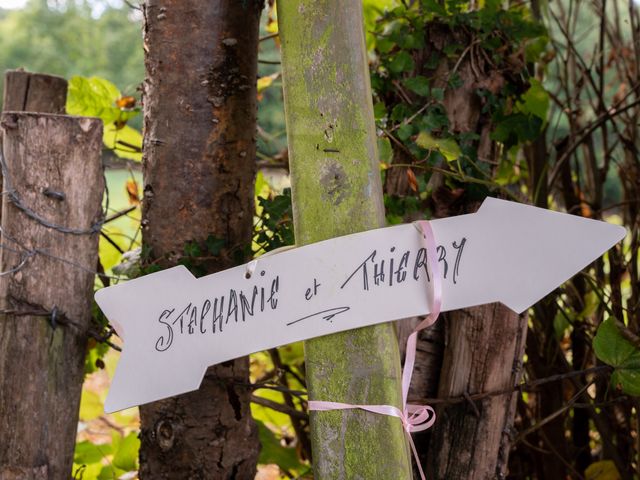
x=87, y=452
x=402, y=62
x=90, y=406
x=126, y=457
x=95, y=97
x=446, y=146
x=615, y=350
x=418, y=84
x=535, y=100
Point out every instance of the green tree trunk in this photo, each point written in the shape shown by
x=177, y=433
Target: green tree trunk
x=336, y=191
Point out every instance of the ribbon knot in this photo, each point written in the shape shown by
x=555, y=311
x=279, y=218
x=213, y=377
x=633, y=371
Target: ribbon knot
x=415, y=418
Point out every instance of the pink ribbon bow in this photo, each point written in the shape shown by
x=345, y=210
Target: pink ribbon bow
x=415, y=418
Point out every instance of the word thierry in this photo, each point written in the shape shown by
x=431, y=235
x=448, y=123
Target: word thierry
x=214, y=314
x=385, y=271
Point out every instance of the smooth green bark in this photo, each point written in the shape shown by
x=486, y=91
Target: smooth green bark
x=336, y=191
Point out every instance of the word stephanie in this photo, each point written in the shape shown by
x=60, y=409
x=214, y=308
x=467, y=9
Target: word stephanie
x=379, y=269
x=213, y=314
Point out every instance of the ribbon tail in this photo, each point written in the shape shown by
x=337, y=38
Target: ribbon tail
x=415, y=455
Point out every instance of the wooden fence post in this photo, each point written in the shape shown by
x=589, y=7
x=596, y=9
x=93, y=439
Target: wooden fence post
x=337, y=190
x=33, y=92
x=53, y=187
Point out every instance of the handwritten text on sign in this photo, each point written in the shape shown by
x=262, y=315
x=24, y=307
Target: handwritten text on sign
x=174, y=326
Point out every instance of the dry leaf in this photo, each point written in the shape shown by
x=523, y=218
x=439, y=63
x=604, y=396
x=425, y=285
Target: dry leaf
x=413, y=182
x=132, y=192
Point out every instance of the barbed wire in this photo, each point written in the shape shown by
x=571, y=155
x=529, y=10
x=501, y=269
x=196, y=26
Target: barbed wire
x=56, y=317
x=95, y=329
x=13, y=196
x=28, y=253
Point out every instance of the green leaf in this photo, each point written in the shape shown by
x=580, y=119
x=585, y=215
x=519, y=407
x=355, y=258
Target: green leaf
x=435, y=7
x=535, y=100
x=418, y=84
x=517, y=128
x=446, y=146
x=95, y=97
x=400, y=112
x=86, y=471
x=385, y=151
x=535, y=48
x=560, y=325
x=92, y=359
x=379, y=111
x=405, y=131
x=110, y=472
x=455, y=81
x=615, y=350
x=411, y=41
x=268, y=415
x=87, y=452
x=126, y=142
x=214, y=245
x=90, y=406
x=402, y=62
x=109, y=255
x=126, y=457
x=434, y=119
x=292, y=354
x=610, y=346
x=384, y=45
x=438, y=94
x=273, y=452
x=261, y=188
x=192, y=249
x=602, y=470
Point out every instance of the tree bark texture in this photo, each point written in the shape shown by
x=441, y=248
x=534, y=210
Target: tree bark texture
x=336, y=191
x=199, y=166
x=53, y=166
x=483, y=353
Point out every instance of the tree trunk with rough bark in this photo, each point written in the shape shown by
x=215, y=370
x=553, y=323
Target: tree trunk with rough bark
x=54, y=169
x=199, y=166
x=483, y=352
x=336, y=191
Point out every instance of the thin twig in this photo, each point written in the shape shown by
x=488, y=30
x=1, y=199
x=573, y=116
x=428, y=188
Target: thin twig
x=267, y=37
x=279, y=407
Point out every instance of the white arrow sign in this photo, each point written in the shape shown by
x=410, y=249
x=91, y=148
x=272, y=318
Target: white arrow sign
x=174, y=326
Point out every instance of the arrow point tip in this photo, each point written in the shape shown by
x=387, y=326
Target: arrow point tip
x=621, y=232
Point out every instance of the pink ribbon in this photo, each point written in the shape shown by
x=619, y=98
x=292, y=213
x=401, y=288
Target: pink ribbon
x=415, y=418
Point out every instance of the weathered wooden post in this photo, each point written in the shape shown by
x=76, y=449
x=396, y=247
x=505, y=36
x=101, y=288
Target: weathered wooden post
x=33, y=92
x=51, y=215
x=336, y=191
